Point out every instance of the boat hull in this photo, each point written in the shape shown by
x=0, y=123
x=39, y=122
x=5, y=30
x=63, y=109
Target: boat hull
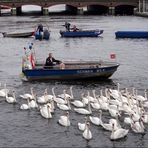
x=131, y=34
x=69, y=74
x=39, y=36
x=18, y=35
x=84, y=33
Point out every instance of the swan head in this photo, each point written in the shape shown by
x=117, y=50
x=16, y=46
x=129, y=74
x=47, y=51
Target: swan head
x=64, y=90
x=82, y=95
x=113, y=125
x=45, y=93
x=118, y=114
x=48, y=105
x=67, y=114
x=100, y=111
x=88, y=124
x=86, y=118
x=46, y=90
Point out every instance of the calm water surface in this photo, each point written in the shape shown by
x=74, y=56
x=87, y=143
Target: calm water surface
x=27, y=128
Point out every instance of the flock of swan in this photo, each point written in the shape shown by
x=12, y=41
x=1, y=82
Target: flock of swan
x=128, y=104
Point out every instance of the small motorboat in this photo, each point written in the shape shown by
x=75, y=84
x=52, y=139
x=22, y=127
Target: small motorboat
x=131, y=34
x=70, y=70
x=81, y=33
x=18, y=34
x=42, y=35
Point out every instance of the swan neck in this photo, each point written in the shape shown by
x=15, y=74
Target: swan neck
x=89, y=107
x=145, y=95
x=68, y=104
x=53, y=92
x=118, y=87
x=71, y=92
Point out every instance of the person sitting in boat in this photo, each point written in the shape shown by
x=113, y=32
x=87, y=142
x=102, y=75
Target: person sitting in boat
x=40, y=29
x=67, y=26
x=75, y=28
x=46, y=33
x=51, y=61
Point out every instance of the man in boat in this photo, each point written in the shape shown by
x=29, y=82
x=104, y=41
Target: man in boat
x=51, y=62
x=40, y=29
x=67, y=26
x=75, y=28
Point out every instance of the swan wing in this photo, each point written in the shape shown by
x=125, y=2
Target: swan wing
x=26, y=96
x=41, y=99
x=95, y=105
x=59, y=100
x=82, y=111
x=2, y=94
x=10, y=99
x=24, y=107
x=120, y=133
x=62, y=106
x=32, y=104
x=64, y=121
x=95, y=120
x=87, y=134
x=81, y=126
x=77, y=103
x=45, y=112
x=107, y=127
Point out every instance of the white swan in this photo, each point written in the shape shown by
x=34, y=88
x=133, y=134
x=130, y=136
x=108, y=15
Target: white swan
x=11, y=99
x=96, y=104
x=138, y=126
x=85, y=99
x=63, y=106
x=87, y=133
x=67, y=95
x=95, y=120
x=46, y=111
x=82, y=126
x=33, y=104
x=45, y=98
x=4, y=91
x=25, y=106
x=58, y=100
x=139, y=97
x=90, y=98
x=108, y=126
x=78, y=103
x=103, y=105
x=128, y=120
x=115, y=93
x=103, y=98
x=118, y=133
x=64, y=120
x=116, y=122
x=27, y=95
x=84, y=111
x=114, y=112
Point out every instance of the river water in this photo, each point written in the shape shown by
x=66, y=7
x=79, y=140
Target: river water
x=27, y=128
